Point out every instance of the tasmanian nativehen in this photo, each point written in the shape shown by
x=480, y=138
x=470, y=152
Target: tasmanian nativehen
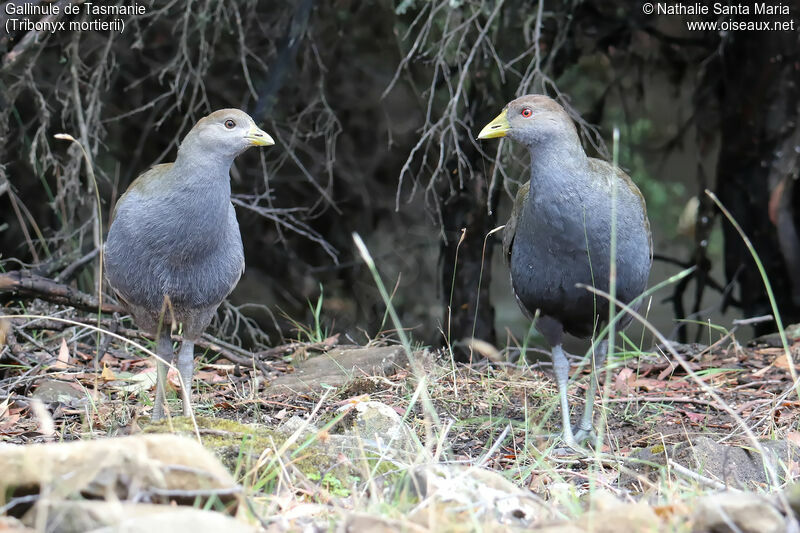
x=174, y=251
x=559, y=238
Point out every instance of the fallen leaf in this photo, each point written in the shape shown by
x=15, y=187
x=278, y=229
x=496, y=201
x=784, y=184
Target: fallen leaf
x=666, y=512
x=62, y=361
x=485, y=349
x=8, y=419
x=697, y=418
x=624, y=381
x=781, y=362
x=5, y=327
x=210, y=377
x=107, y=374
x=136, y=383
x=649, y=384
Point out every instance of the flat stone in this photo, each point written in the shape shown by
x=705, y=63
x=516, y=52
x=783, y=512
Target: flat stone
x=734, y=466
x=70, y=516
x=66, y=393
x=381, y=426
x=737, y=511
x=165, y=468
x=459, y=498
x=361, y=522
x=9, y=524
x=338, y=367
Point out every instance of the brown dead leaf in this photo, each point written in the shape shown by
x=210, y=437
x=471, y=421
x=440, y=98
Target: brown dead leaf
x=173, y=378
x=210, y=376
x=649, y=384
x=781, y=362
x=668, y=371
x=107, y=374
x=484, y=348
x=9, y=416
x=5, y=327
x=62, y=361
x=623, y=382
x=665, y=512
x=110, y=359
x=331, y=341
x=539, y=483
x=697, y=418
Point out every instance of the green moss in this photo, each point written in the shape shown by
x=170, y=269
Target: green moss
x=657, y=449
x=334, y=485
x=249, y=452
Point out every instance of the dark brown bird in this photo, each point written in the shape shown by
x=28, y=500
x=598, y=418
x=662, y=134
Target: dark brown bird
x=559, y=237
x=174, y=250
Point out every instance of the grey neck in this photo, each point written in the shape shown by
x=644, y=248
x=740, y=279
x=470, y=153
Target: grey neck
x=213, y=163
x=558, y=168
x=202, y=187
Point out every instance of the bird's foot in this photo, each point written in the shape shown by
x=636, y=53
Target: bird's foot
x=569, y=448
x=576, y=443
x=586, y=436
x=157, y=414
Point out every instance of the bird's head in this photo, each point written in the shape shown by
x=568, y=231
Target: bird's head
x=530, y=120
x=225, y=133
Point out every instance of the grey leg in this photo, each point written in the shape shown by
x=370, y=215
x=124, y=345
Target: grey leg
x=561, y=368
x=186, y=369
x=553, y=332
x=164, y=350
x=585, y=425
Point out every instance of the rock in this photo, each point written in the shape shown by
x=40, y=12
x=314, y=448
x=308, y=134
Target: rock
x=560, y=528
x=607, y=514
x=244, y=447
x=155, y=468
x=734, y=466
x=460, y=498
x=615, y=518
x=382, y=429
x=792, y=493
x=773, y=340
x=337, y=367
x=67, y=393
x=297, y=424
x=737, y=511
x=360, y=522
x=107, y=517
x=9, y=524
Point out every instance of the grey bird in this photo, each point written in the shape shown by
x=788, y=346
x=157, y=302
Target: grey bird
x=559, y=237
x=174, y=251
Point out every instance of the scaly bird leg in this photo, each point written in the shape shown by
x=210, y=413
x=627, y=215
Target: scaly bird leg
x=584, y=432
x=553, y=332
x=186, y=369
x=561, y=369
x=164, y=350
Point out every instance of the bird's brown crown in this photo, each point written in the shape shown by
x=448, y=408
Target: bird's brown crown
x=537, y=103
x=221, y=115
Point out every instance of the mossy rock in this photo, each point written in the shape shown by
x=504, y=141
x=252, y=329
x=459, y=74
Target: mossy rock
x=249, y=452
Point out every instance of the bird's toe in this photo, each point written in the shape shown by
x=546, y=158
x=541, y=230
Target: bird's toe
x=584, y=436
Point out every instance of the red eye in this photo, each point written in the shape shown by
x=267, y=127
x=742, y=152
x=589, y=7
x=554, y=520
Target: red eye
x=526, y=112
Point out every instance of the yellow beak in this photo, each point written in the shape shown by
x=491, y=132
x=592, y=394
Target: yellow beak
x=496, y=128
x=259, y=137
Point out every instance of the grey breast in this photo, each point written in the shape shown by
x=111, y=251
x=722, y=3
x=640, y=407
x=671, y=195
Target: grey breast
x=567, y=242
x=183, y=245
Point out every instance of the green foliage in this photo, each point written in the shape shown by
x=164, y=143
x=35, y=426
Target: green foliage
x=315, y=332
x=334, y=485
